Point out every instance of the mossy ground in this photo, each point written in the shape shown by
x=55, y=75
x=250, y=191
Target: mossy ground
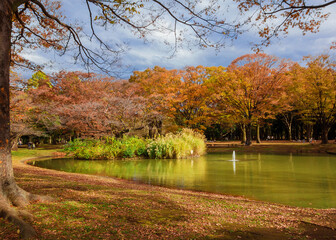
x=93, y=207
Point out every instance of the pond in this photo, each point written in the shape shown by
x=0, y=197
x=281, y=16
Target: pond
x=296, y=180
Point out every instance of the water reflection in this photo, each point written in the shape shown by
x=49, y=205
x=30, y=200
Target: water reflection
x=289, y=179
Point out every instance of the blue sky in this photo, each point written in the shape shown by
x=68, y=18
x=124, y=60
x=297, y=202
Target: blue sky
x=147, y=54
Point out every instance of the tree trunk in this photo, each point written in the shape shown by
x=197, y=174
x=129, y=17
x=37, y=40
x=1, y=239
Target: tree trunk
x=14, y=143
x=325, y=131
x=308, y=133
x=290, y=138
x=287, y=118
x=151, y=130
x=10, y=193
x=258, y=133
x=243, y=135
x=159, y=126
x=249, y=134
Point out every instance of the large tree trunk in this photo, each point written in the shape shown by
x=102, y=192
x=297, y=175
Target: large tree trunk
x=243, y=133
x=325, y=131
x=249, y=134
x=10, y=193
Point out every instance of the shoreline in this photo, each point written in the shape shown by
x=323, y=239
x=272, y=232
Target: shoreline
x=277, y=147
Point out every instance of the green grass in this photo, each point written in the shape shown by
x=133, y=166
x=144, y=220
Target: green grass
x=24, y=153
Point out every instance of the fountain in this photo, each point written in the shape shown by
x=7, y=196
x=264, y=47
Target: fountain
x=233, y=160
x=233, y=157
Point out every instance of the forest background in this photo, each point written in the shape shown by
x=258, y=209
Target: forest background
x=258, y=96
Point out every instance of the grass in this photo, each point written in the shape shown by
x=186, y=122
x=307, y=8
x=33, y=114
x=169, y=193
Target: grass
x=185, y=144
x=87, y=207
x=25, y=153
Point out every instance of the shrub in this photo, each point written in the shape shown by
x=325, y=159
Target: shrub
x=132, y=146
x=184, y=144
x=107, y=148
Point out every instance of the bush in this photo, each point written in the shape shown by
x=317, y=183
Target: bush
x=107, y=148
x=184, y=144
x=133, y=146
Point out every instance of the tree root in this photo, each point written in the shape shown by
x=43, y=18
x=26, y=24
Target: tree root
x=14, y=195
x=21, y=198
x=9, y=213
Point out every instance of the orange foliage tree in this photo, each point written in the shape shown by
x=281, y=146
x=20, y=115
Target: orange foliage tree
x=179, y=95
x=250, y=88
x=315, y=92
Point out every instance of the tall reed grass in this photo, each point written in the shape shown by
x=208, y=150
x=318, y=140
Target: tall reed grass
x=184, y=144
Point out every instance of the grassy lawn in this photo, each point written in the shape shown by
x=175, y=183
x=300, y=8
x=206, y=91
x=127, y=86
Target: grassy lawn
x=25, y=153
x=93, y=207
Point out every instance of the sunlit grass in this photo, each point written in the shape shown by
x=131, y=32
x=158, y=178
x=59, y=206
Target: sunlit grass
x=24, y=153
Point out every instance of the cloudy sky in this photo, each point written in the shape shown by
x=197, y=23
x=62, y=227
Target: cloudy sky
x=147, y=54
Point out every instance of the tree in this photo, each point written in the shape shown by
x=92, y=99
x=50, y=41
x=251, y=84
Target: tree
x=287, y=107
x=316, y=95
x=22, y=120
x=180, y=95
x=273, y=18
x=36, y=23
x=188, y=104
x=158, y=85
x=250, y=88
x=126, y=108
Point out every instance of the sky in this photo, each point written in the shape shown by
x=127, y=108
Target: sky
x=141, y=54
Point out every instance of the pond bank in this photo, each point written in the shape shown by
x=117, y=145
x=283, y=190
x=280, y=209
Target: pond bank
x=108, y=208
x=278, y=147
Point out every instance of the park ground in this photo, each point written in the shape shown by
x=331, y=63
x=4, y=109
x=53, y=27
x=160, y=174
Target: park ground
x=95, y=207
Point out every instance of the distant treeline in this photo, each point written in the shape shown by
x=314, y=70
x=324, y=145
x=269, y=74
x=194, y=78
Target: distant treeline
x=257, y=96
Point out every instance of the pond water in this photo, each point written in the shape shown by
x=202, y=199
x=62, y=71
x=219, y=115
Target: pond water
x=297, y=180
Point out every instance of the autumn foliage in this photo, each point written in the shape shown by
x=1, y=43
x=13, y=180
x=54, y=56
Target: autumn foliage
x=248, y=99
